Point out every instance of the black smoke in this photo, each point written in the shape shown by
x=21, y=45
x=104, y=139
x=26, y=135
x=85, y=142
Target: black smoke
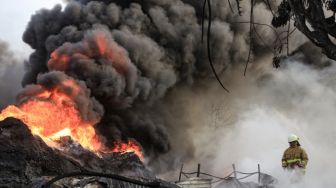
x=89, y=108
x=158, y=44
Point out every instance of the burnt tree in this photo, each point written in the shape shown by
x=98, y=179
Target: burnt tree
x=310, y=18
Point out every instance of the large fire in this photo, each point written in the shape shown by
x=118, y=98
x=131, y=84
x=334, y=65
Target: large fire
x=52, y=114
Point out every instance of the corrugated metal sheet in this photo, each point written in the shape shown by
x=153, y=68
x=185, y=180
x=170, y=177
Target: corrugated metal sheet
x=195, y=182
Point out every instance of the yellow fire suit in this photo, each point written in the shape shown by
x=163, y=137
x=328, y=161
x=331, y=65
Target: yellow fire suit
x=294, y=157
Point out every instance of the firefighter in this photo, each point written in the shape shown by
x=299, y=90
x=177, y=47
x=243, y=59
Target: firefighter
x=294, y=157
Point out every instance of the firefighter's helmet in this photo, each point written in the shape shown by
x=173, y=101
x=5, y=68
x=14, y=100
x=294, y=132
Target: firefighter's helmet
x=292, y=138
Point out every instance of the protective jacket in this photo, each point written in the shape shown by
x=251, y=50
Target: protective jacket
x=294, y=157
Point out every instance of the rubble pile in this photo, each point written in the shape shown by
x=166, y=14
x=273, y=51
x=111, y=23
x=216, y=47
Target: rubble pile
x=26, y=161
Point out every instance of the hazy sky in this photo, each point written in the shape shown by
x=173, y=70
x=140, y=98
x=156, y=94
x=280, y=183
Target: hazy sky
x=14, y=16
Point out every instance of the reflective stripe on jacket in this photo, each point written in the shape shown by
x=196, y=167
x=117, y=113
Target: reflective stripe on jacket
x=293, y=156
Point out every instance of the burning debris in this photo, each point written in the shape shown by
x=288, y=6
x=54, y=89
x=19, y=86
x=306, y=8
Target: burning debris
x=105, y=72
x=26, y=158
x=104, y=82
x=55, y=108
x=91, y=55
x=131, y=56
x=118, y=65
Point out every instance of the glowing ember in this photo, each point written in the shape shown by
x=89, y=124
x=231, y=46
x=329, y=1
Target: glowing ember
x=51, y=114
x=130, y=146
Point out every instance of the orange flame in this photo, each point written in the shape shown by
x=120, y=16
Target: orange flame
x=129, y=147
x=52, y=115
x=99, y=45
x=61, y=59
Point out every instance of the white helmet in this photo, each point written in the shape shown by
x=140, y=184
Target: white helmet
x=292, y=138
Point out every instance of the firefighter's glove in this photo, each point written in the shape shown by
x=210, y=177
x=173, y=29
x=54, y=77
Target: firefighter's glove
x=300, y=165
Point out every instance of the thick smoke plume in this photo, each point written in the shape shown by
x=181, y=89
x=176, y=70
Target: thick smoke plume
x=145, y=63
x=144, y=75
x=251, y=127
